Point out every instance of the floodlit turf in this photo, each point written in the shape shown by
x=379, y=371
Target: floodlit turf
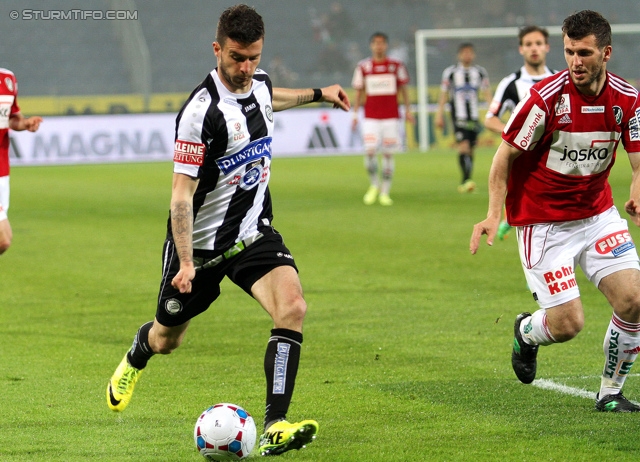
x=407, y=339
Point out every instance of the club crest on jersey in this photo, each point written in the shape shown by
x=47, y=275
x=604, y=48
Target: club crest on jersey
x=9, y=83
x=563, y=106
x=269, y=113
x=616, y=243
x=617, y=113
x=252, y=152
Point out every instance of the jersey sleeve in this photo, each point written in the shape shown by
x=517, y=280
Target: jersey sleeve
x=402, y=74
x=446, y=79
x=527, y=123
x=357, y=81
x=14, y=107
x=631, y=131
x=189, y=148
x=500, y=102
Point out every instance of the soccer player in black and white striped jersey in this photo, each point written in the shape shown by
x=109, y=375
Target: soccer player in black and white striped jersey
x=462, y=85
x=533, y=46
x=220, y=222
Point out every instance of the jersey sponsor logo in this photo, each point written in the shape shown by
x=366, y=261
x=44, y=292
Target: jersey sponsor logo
x=532, y=129
x=615, y=243
x=255, y=175
x=563, y=106
x=617, y=113
x=5, y=112
x=560, y=280
x=380, y=85
x=186, y=152
x=582, y=154
x=252, y=152
x=634, y=125
x=593, y=109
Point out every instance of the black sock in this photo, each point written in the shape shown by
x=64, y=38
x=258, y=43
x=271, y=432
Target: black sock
x=140, y=351
x=281, y=367
x=463, y=167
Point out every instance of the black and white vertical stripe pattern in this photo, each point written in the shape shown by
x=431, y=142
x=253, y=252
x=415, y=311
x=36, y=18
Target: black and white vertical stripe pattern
x=463, y=84
x=232, y=200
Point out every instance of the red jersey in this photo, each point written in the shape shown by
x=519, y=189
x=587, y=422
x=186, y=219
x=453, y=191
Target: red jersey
x=569, y=142
x=380, y=82
x=8, y=106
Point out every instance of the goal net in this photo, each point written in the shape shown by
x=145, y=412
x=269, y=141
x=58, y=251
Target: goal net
x=497, y=51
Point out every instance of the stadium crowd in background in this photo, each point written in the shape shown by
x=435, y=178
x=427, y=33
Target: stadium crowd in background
x=553, y=166
x=220, y=222
x=533, y=46
x=461, y=86
x=378, y=80
x=10, y=118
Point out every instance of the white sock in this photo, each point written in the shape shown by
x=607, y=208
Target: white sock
x=621, y=346
x=535, y=330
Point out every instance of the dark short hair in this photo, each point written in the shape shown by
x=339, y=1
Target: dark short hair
x=586, y=22
x=378, y=34
x=526, y=30
x=241, y=23
x=464, y=45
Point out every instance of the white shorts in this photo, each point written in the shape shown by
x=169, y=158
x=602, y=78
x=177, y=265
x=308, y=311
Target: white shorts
x=381, y=132
x=600, y=245
x=4, y=197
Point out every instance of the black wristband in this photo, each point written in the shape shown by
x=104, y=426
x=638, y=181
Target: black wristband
x=317, y=94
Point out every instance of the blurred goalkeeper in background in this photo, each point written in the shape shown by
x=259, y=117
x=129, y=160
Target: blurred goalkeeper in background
x=534, y=46
x=553, y=165
x=220, y=222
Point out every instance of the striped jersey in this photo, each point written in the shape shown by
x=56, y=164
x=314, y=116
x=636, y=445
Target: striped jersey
x=380, y=81
x=8, y=106
x=569, y=143
x=224, y=140
x=512, y=89
x=463, y=85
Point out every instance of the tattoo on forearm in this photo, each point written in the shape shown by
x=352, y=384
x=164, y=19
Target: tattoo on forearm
x=303, y=99
x=182, y=227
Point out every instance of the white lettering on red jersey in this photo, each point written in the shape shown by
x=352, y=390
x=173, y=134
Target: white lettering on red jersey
x=380, y=82
x=569, y=144
x=8, y=106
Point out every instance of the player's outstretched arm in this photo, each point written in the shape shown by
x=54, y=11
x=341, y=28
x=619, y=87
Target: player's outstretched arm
x=18, y=122
x=632, y=206
x=286, y=98
x=498, y=176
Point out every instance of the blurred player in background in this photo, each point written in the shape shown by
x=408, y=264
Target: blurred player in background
x=553, y=165
x=220, y=222
x=461, y=86
x=534, y=46
x=379, y=80
x=10, y=118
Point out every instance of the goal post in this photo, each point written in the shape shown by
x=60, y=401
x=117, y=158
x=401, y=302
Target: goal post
x=424, y=35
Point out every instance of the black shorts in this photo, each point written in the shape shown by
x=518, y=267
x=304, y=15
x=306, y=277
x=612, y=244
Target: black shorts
x=244, y=269
x=467, y=131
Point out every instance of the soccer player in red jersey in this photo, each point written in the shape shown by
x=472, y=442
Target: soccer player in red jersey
x=379, y=80
x=10, y=118
x=553, y=165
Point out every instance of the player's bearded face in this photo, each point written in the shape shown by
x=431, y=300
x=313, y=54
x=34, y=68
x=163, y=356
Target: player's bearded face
x=237, y=63
x=586, y=63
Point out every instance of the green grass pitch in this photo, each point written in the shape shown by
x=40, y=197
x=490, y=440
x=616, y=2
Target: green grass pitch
x=407, y=339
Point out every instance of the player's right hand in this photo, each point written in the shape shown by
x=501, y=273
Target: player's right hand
x=488, y=227
x=633, y=209
x=182, y=280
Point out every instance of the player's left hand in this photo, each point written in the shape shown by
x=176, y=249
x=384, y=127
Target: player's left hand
x=32, y=123
x=488, y=227
x=336, y=95
x=633, y=209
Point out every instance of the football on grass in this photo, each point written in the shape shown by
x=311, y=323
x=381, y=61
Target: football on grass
x=225, y=432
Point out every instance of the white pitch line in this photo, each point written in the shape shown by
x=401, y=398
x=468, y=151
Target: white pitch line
x=546, y=384
x=567, y=390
